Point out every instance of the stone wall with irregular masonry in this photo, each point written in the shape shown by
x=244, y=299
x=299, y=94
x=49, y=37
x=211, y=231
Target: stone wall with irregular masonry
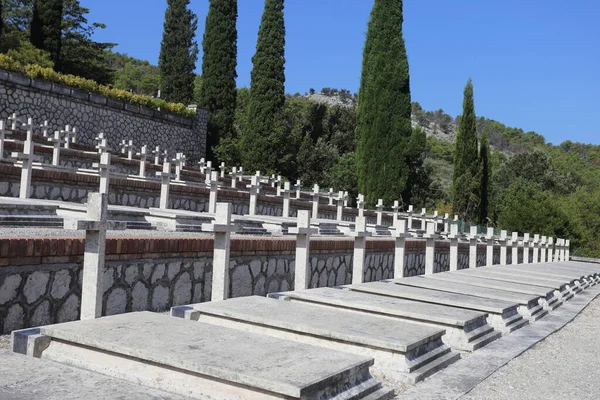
x=92, y=114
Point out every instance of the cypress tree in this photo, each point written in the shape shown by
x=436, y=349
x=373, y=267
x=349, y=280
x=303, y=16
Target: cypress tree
x=466, y=180
x=260, y=140
x=383, y=128
x=218, y=90
x=1, y=20
x=486, y=171
x=46, y=27
x=178, y=52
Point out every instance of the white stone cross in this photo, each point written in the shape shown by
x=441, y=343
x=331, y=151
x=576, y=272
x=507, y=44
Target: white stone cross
x=178, y=161
x=69, y=135
x=400, y=234
x=302, y=270
x=423, y=221
x=526, y=248
x=222, y=229
x=234, y=176
x=45, y=128
x=503, y=241
x=298, y=187
x=557, y=247
x=316, y=196
x=286, y=199
x=26, y=160
x=279, y=184
x=514, y=241
x=409, y=223
x=56, y=142
x=214, y=187
x=446, y=223
x=379, y=211
x=104, y=168
x=473, y=247
x=536, y=248
x=165, y=177
x=241, y=175
x=360, y=235
x=3, y=133
x=156, y=153
x=567, y=250
x=395, y=209
x=102, y=145
x=183, y=161
x=95, y=226
x=15, y=121
x=143, y=155
x=208, y=172
x=340, y=206
x=489, y=253
x=360, y=204
x=222, y=169
x=549, y=247
x=273, y=181
x=254, y=188
x=453, y=236
x=127, y=147
x=331, y=196
x=543, y=244
x=430, y=249
x=346, y=198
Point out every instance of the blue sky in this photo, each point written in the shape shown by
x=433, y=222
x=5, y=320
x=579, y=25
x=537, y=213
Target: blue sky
x=534, y=63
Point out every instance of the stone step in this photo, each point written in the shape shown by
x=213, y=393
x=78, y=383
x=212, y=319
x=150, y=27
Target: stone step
x=381, y=394
x=499, y=312
x=138, y=225
x=399, y=347
x=529, y=305
x=486, y=339
x=513, y=323
x=457, y=322
x=436, y=366
x=188, y=228
x=199, y=360
x=25, y=221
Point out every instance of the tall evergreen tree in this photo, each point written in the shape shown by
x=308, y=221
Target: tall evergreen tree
x=261, y=139
x=486, y=171
x=1, y=20
x=218, y=90
x=46, y=27
x=383, y=128
x=466, y=179
x=178, y=52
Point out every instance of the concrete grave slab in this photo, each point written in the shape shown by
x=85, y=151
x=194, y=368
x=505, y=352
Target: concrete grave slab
x=541, y=270
x=589, y=272
x=529, y=306
x=502, y=315
x=26, y=378
x=549, y=301
x=200, y=360
x=466, y=330
x=405, y=352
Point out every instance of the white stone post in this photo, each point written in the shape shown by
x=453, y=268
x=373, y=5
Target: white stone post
x=241, y=175
x=56, y=142
x=69, y=135
x=208, y=172
x=503, y=240
x=222, y=229
x=3, y=133
x=202, y=165
x=331, y=196
x=558, y=250
x=346, y=197
x=234, y=175
x=409, y=224
x=102, y=145
x=302, y=231
x=380, y=212
x=178, y=162
x=340, y=206
x=423, y=221
x=279, y=186
x=316, y=197
x=360, y=235
x=563, y=250
x=45, y=128
x=489, y=253
x=453, y=236
x=473, y=247
x=27, y=158
x=446, y=223
x=526, y=248
x=515, y=248
x=222, y=169
x=156, y=154
x=127, y=148
x=567, y=250
x=430, y=249
x=360, y=205
x=400, y=234
x=549, y=248
x=395, y=209
x=104, y=168
x=15, y=121
x=212, y=197
x=165, y=177
x=298, y=188
x=543, y=249
x=286, y=200
x=143, y=155
x=254, y=188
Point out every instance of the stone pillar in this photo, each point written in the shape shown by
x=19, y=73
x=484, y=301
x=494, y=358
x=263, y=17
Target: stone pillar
x=453, y=236
x=346, y=197
x=302, y=271
x=489, y=249
x=543, y=249
x=330, y=196
x=409, y=219
x=3, y=133
x=446, y=223
x=400, y=234
x=515, y=248
x=316, y=197
x=536, y=248
x=473, y=247
x=567, y=250
x=222, y=170
x=340, y=206
x=430, y=249
x=360, y=250
x=549, y=249
x=298, y=188
x=360, y=205
x=165, y=184
x=380, y=212
x=423, y=222
x=143, y=154
x=526, y=248
x=503, y=240
x=222, y=229
x=254, y=188
x=214, y=188
x=395, y=209
x=286, y=200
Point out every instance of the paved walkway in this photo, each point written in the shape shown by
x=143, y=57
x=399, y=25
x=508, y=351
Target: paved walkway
x=563, y=366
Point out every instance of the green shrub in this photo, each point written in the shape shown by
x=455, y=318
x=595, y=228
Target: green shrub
x=40, y=72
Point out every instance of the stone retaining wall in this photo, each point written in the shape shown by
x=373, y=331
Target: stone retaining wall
x=92, y=114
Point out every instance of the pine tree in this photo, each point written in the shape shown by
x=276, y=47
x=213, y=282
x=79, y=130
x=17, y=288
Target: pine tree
x=178, y=52
x=261, y=139
x=46, y=27
x=383, y=129
x=218, y=90
x=486, y=171
x=466, y=180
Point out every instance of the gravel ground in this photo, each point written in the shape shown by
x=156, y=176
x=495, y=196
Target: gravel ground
x=563, y=366
x=4, y=342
